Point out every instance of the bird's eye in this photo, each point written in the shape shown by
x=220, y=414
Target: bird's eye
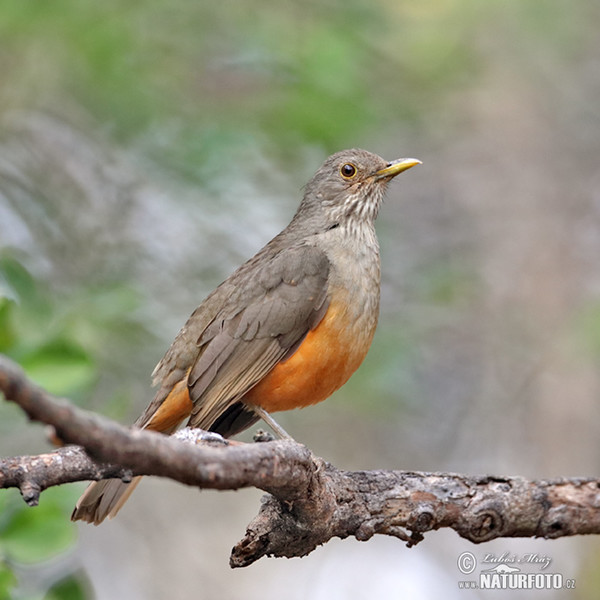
x=348, y=171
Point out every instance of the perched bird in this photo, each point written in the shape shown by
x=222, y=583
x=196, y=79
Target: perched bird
x=286, y=329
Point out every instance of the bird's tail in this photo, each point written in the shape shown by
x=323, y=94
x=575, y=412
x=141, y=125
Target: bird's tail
x=103, y=499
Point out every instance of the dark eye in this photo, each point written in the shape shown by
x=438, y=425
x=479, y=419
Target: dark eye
x=348, y=171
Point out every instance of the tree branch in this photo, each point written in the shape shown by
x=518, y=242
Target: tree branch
x=310, y=500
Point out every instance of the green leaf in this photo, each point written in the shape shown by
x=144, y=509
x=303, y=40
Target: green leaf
x=7, y=330
x=37, y=534
x=73, y=587
x=61, y=367
x=19, y=285
x=7, y=581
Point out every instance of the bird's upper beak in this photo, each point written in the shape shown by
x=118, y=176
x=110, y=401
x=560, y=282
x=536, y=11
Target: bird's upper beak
x=396, y=167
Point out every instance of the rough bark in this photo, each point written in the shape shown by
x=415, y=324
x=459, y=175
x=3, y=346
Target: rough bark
x=309, y=501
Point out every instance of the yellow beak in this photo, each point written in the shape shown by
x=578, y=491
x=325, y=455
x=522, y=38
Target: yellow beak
x=397, y=166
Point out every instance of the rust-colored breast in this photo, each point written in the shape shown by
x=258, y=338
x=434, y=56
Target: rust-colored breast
x=322, y=364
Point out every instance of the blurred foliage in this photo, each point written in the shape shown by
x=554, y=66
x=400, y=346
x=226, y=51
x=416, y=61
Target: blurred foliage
x=32, y=538
x=60, y=337
x=74, y=587
x=60, y=346
x=7, y=581
x=33, y=535
x=35, y=331
x=202, y=79
x=57, y=338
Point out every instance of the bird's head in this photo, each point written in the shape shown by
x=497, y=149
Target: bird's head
x=350, y=185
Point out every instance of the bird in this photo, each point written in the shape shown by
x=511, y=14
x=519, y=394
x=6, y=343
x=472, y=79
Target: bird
x=285, y=330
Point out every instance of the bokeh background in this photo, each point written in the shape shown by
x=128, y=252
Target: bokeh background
x=148, y=148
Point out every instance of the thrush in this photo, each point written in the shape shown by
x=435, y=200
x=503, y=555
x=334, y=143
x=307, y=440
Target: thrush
x=286, y=329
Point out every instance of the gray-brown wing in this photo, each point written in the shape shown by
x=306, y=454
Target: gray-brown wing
x=263, y=321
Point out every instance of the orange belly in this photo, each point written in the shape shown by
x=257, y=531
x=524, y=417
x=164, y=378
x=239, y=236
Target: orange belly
x=322, y=364
x=176, y=407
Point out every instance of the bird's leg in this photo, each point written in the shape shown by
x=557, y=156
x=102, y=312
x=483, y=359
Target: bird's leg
x=270, y=421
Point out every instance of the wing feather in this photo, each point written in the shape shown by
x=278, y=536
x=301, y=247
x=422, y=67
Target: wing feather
x=282, y=303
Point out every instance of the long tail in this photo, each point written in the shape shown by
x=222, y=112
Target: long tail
x=105, y=498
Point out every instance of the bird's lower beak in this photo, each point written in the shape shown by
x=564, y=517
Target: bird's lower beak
x=396, y=167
